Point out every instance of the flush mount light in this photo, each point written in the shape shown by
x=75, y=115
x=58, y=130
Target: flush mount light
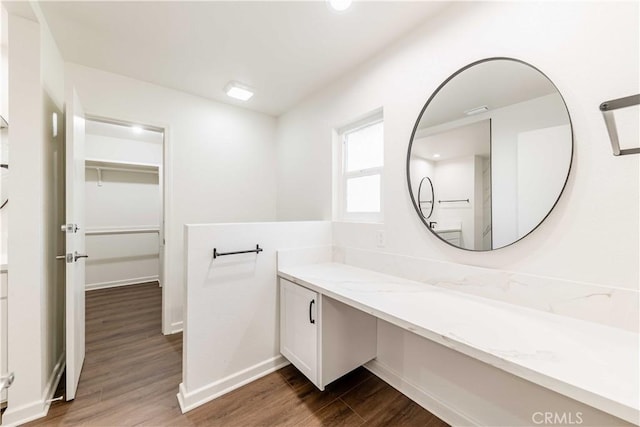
x=136, y=129
x=238, y=91
x=477, y=110
x=339, y=5
x=435, y=156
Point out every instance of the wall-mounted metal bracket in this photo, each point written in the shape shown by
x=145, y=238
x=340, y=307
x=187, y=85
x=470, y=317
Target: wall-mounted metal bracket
x=607, y=109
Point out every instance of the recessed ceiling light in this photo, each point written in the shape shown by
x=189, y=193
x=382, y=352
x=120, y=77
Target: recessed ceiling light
x=136, y=129
x=339, y=5
x=238, y=91
x=477, y=110
x=435, y=156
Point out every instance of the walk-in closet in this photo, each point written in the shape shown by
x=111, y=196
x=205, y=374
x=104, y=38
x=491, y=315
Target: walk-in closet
x=123, y=199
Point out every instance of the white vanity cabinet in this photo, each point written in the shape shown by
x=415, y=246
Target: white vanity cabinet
x=299, y=328
x=322, y=337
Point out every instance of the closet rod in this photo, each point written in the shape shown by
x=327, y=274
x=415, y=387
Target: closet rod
x=123, y=231
x=106, y=168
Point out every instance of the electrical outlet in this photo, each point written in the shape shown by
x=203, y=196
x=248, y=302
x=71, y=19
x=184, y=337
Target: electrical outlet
x=380, y=239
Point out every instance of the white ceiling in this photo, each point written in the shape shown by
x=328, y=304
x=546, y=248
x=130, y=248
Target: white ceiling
x=284, y=50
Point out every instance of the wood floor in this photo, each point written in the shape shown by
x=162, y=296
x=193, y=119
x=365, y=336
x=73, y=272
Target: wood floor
x=131, y=376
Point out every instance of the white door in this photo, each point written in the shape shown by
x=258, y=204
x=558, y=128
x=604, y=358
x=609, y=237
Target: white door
x=299, y=328
x=75, y=241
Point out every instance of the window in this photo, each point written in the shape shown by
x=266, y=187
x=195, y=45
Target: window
x=362, y=163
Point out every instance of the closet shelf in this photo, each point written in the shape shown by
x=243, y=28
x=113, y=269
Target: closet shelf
x=121, y=166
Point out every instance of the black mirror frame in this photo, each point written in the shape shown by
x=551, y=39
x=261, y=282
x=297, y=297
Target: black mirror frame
x=415, y=128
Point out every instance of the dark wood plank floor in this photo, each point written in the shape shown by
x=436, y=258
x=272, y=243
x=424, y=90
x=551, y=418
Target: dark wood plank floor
x=131, y=376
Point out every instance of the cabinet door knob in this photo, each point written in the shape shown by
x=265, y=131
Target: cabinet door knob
x=311, y=319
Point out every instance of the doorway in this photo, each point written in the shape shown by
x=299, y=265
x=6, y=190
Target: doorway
x=123, y=203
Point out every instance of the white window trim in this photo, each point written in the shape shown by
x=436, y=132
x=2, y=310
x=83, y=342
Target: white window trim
x=344, y=176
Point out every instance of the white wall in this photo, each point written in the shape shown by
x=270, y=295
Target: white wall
x=419, y=169
x=124, y=149
x=232, y=313
x=506, y=124
x=124, y=200
x=578, y=241
x=221, y=163
x=4, y=146
x=540, y=176
x=35, y=279
x=455, y=180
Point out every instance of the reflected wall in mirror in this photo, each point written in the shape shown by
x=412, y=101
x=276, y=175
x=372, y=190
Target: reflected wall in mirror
x=494, y=144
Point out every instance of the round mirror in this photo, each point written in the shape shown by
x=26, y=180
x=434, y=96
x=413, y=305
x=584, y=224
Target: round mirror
x=425, y=197
x=489, y=154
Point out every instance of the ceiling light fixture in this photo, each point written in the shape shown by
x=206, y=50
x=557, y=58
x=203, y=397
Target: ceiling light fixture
x=238, y=91
x=477, y=110
x=339, y=5
x=435, y=156
x=136, y=129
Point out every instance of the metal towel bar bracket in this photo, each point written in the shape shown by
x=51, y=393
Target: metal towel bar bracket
x=455, y=200
x=607, y=109
x=216, y=254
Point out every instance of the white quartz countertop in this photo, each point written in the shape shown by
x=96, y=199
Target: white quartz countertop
x=592, y=363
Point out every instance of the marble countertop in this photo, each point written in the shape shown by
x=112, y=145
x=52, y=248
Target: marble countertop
x=592, y=363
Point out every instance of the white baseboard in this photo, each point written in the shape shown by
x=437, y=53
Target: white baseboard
x=40, y=408
x=192, y=399
x=23, y=414
x=116, y=283
x=440, y=409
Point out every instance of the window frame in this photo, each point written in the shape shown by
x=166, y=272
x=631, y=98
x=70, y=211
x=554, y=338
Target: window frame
x=345, y=176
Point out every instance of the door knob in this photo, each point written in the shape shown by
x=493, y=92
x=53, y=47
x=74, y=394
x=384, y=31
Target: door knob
x=77, y=256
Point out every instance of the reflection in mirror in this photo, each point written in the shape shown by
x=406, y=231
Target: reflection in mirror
x=495, y=143
x=4, y=184
x=425, y=197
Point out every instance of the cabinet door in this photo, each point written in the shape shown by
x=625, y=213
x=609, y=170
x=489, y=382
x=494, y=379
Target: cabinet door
x=299, y=327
